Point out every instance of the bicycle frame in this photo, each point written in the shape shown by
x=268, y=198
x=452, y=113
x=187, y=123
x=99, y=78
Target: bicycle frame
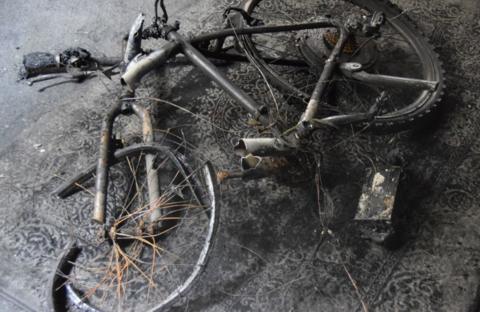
x=257, y=154
x=137, y=64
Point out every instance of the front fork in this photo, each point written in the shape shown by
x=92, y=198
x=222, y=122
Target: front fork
x=125, y=107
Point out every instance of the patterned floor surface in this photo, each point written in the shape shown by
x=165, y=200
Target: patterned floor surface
x=271, y=254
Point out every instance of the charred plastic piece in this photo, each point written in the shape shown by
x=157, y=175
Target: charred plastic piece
x=39, y=63
x=378, y=194
x=42, y=63
x=376, y=204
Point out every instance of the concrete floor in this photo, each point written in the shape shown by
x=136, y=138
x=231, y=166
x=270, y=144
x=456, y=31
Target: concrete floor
x=51, y=26
x=55, y=133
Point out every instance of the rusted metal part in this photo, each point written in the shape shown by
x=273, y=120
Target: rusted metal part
x=152, y=174
x=134, y=48
x=236, y=57
x=101, y=182
x=62, y=293
x=394, y=81
x=255, y=167
x=378, y=195
x=355, y=71
x=305, y=126
x=105, y=153
x=134, y=41
x=265, y=165
x=141, y=65
x=321, y=23
x=350, y=119
x=315, y=48
x=198, y=59
x=223, y=175
x=74, y=184
x=263, y=147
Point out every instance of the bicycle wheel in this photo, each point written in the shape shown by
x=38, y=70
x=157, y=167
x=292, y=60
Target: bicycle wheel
x=399, y=51
x=131, y=268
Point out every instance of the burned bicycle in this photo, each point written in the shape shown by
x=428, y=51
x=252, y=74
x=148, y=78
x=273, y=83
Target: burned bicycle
x=160, y=235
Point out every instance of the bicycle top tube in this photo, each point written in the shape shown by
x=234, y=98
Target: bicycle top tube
x=142, y=64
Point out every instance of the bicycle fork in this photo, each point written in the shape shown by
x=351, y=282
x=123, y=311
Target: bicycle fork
x=106, y=152
x=122, y=106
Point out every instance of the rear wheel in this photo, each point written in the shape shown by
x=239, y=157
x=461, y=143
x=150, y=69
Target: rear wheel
x=400, y=51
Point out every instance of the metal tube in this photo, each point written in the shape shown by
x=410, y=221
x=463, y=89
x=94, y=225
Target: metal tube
x=209, y=69
x=108, y=60
x=101, y=182
x=143, y=64
x=304, y=126
x=241, y=58
x=261, y=29
x=394, y=81
x=341, y=120
x=74, y=184
x=134, y=41
x=152, y=174
x=262, y=147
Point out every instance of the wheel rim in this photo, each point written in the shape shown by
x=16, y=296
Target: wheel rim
x=431, y=69
x=202, y=186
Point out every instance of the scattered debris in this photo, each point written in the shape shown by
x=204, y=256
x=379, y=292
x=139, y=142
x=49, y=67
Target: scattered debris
x=38, y=147
x=378, y=195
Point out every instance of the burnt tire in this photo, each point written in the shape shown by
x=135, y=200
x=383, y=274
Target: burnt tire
x=414, y=113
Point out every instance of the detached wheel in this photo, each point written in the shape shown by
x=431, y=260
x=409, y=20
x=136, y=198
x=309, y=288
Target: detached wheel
x=129, y=268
